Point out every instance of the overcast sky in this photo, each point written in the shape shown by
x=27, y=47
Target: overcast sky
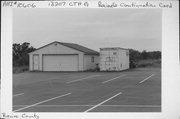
x=138, y=29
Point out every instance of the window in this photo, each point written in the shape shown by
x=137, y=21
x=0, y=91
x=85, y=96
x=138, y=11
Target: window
x=114, y=53
x=92, y=59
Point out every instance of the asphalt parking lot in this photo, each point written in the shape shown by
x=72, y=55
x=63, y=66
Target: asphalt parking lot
x=136, y=90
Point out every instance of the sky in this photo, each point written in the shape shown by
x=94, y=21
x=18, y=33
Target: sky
x=138, y=29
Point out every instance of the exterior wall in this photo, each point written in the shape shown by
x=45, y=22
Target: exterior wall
x=109, y=60
x=124, y=59
x=30, y=62
x=55, y=49
x=114, y=59
x=40, y=62
x=88, y=64
x=80, y=63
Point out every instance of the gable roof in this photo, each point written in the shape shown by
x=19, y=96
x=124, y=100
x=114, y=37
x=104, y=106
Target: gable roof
x=87, y=51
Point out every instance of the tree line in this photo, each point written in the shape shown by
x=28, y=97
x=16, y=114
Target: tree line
x=137, y=55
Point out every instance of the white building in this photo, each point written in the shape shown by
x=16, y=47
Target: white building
x=58, y=56
x=114, y=59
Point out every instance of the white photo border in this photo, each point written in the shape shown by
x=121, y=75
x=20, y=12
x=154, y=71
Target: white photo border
x=170, y=63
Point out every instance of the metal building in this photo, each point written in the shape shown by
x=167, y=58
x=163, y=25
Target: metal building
x=58, y=56
x=114, y=59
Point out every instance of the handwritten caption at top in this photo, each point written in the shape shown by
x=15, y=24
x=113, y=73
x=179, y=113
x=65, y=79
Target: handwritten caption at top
x=103, y=4
x=71, y=4
x=18, y=4
x=100, y=4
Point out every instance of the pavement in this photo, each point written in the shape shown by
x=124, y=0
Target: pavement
x=135, y=90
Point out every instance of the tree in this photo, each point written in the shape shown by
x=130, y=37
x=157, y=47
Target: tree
x=134, y=55
x=20, y=53
x=144, y=54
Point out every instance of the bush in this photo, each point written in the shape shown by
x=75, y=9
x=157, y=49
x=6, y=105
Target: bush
x=94, y=69
x=149, y=63
x=20, y=69
x=132, y=64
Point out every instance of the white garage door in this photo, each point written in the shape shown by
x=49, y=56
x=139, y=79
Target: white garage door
x=60, y=63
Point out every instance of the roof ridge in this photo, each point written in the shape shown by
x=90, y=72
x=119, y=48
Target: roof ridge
x=88, y=52
x=74, y=46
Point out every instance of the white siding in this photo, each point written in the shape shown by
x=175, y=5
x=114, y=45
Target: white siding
x=55, y=49
x=124, y=59
x=30, y=62
x=40, y=62
x=80, y=63
x=88, y=64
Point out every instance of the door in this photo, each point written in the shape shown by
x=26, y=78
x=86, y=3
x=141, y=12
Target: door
x=36, y=62
x=109, y=60
x=60, y=63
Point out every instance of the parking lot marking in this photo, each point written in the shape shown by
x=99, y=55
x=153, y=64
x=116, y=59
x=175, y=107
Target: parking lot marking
x=42, y=102
x=114, y=78
x=146, y=78
x=18, y=94
x=78, y=76
x=102, y=102
x=131, y=105
x=92, y=105
x=83, y=78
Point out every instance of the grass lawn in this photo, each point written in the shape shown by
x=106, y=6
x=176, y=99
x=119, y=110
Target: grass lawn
x=149, y=63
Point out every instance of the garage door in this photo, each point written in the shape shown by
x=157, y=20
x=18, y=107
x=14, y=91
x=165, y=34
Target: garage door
x=60, y=63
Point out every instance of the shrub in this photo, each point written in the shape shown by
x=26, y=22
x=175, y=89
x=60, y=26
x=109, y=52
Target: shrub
x=149, y=63
x=20, y=69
